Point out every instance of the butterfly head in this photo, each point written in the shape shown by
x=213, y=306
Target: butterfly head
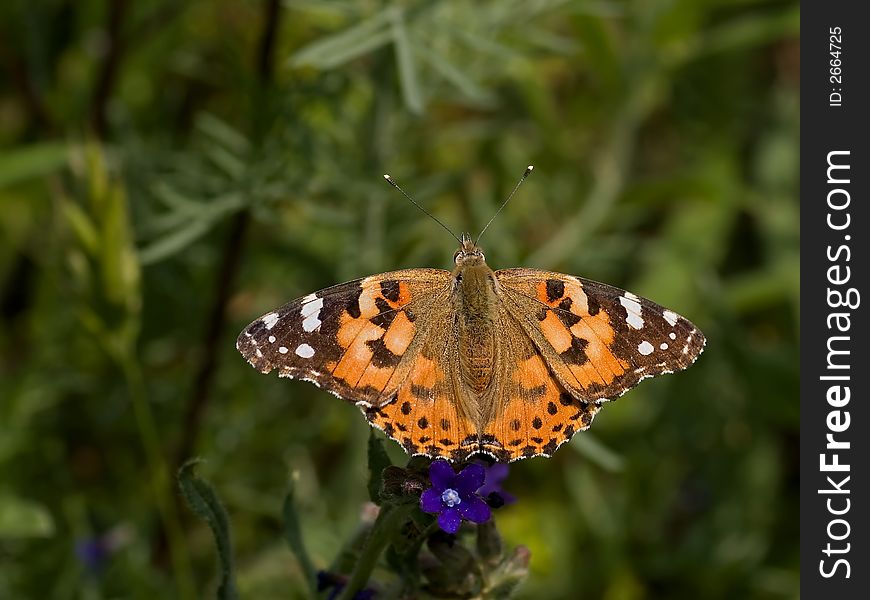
x=469, y=254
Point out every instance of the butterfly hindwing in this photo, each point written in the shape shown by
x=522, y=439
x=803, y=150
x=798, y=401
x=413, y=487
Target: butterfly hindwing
x=599, y=340
x=536, y=414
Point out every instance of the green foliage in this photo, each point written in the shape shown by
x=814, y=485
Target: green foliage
x=159, y=193
x=203, y=501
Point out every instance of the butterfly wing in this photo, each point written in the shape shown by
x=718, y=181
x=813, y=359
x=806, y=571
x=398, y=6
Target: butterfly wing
x=357, y=340
x=534, y=412
x=381, y=342
x=598, y=340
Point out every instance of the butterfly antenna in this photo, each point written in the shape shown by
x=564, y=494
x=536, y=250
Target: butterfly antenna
x=414, y=202
x=528, y=172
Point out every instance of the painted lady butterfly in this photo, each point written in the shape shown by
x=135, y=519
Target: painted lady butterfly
x=508, y=363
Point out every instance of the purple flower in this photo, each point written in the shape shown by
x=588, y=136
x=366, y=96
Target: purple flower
x=452, y=496
x=491, y=491
x=92, y=553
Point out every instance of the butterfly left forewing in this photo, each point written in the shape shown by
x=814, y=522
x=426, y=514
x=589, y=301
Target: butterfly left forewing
x=354, y=339
x=598, y=340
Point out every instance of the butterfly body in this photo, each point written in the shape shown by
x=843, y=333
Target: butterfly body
x=509, y=363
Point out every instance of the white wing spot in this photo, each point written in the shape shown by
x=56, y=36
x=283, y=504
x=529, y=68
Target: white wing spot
x=309, y=298
x=631, y=296
x=270, y=320
x=645, y=348
x=663, y=346
x=259, y=354
x=672, y=335
x=310, y=313
x=632, y=310
x=271, y=339
x=671, y=317
x=283, y=350
x=304, y=350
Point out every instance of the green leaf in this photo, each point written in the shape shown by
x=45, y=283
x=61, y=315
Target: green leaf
x=202, y=500
x=293, y=535
x=454, y=75
x=587, y=445
x=32, y=161
x=378, y=461
x=20, y=518
x=333, y=50
x=173, y=242
x=405, y=59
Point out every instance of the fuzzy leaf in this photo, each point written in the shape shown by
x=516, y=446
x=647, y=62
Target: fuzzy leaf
x=202, y=500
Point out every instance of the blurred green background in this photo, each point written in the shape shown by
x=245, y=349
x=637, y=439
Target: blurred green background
x=170, y=171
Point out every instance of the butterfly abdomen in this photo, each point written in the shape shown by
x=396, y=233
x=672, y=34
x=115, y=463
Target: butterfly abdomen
x=476, y=299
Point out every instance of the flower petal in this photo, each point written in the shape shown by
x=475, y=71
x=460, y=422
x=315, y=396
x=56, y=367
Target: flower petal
x=449, y=520
x=497, y=473
x=430, y=501
x=474, y=509
x=469, y=480
x=441, y=475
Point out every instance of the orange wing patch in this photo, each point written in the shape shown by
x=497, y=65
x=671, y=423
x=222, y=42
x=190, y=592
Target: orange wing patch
x=374, y=332
x=539, y=415
x=579, y=332
x=423, y=417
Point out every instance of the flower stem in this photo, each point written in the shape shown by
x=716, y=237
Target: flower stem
x=159, y=479
x=389, y=519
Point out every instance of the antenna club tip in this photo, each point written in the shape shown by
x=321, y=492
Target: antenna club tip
x=530, y=168
x=387, y=177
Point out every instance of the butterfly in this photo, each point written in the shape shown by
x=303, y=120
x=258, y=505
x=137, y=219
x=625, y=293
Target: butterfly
x=508, y=363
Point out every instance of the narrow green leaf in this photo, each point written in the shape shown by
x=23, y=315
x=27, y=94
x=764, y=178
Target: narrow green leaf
x=454, y=75
x=405, y=60
x=293, y=535
x=590, y=447
x=21, y=518
x=203, y=501
x=378, y=461
x=346, y=44
x=31, y=161
x=82, y=226
x=221, y=132
x=173, y=242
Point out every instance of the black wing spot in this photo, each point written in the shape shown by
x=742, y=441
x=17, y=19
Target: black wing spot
x=537, y=440
x=445, y=424
x=537, y=423
x=551, y=446
x=555, y=289
x=557, y=427
x=537, y=391
x=353, y=308
x=569, y=431
x=385, y=315
x=566, y=399
x=592, y=306
x=390, y=290
x=576, y=354
x=515, y=424
x=551, y=408
x=568, y=319
x=565, y=304
x=423, y=423
x=381, y=355
x=406, y=408
x=421, y=391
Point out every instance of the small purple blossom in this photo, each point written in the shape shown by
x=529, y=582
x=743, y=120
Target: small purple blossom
x=453, y=496
x=92, y=552
x=492, y=491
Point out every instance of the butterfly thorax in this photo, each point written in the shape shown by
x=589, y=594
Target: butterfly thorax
x=475, y=302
